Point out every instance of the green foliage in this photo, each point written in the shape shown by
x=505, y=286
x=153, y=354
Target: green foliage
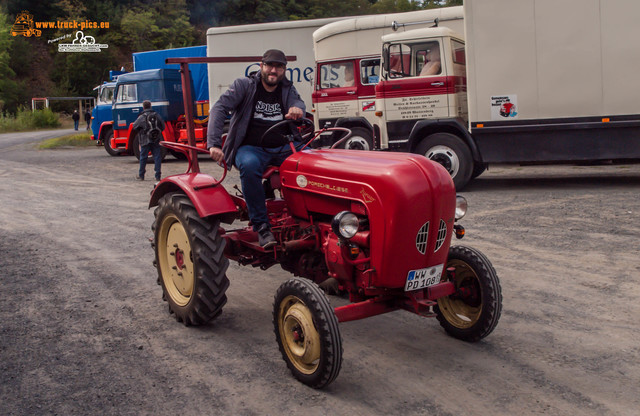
x=71, y=140
x=28, y=120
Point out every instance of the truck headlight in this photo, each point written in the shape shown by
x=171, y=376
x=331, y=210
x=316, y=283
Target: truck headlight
x=461, y=206
x=345, y=224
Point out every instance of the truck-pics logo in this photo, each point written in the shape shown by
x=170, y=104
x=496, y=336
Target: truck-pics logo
x=24, y=25
x=504, y=106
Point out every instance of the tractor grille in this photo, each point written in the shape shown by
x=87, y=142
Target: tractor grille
x=422, y=238
x=442, y=235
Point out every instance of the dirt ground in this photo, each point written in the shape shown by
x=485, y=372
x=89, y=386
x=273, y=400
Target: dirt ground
x=84, y=329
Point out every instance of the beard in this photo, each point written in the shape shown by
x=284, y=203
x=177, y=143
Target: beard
x=268, y=78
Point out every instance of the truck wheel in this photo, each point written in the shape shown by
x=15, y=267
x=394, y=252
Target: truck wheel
x=449, y=151
x=135, y=145
x=478, y=168
x=473, y=311
x=190, y=260
x=360, y=140
x=108, y=135
x=307, y=332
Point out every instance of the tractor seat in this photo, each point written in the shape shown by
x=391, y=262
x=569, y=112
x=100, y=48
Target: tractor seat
x=272, y=179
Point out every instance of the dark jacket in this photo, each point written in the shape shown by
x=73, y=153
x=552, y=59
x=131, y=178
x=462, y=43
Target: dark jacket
x=87, y=116
x=141, y=126
x=239, y=100
x=75, y=116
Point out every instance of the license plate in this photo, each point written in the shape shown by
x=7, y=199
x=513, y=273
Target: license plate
x=421, y=278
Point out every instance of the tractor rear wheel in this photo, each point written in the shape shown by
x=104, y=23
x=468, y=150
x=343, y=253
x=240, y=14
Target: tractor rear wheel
x=473, y=311
x=307, y=332
x=190, y=260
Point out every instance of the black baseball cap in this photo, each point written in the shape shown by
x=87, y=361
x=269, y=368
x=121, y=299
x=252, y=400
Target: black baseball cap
x=274, y=56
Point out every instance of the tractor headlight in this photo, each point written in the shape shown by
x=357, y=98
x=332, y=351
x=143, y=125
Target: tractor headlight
x=461, y=206
x=345, y=224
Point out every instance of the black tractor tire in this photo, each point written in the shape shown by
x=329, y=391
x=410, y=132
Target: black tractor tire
x=473, y=311
x=106, y=138
x=307, y=332
x=451, y=152
x=361, y=139
x=135, y=146
x=190, y=260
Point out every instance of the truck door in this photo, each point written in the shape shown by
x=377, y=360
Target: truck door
x=417, y=87
x=126, y=106
x=336, y=92
x=369, y=77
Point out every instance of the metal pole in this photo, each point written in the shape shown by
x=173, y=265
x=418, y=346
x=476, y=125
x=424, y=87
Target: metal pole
x=188, y=113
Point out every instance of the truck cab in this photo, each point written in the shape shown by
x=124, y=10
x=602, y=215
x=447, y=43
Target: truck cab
x=345, y=91
x=163, y=87
x=424, y=78
x=101, y=113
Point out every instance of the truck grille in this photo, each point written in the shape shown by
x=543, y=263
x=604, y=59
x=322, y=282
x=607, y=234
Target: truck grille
x=422, y=238
x=442, y=235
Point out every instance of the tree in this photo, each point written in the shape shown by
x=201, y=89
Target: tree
x=9, y=91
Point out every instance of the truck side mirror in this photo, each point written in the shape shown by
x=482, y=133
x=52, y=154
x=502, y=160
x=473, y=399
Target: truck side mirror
x=385, y=60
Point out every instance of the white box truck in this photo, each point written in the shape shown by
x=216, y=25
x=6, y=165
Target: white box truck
x=347, y=55
x=292, y=37
x=537, y=82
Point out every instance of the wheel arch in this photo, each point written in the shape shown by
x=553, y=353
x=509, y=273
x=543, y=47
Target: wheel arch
x=349, y=122
x=104, y=127
x=208, y=201
x=425, y=128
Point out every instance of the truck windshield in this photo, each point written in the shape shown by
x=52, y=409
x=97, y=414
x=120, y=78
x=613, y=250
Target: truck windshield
x=418, y=59
x=106, y=95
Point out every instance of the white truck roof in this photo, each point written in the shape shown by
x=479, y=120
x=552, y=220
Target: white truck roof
x=360, y=36
x=421, y=34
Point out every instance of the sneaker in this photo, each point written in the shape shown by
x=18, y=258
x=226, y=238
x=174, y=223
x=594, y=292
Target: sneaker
x=265, y=237
x=139, y=178
x=158, y=178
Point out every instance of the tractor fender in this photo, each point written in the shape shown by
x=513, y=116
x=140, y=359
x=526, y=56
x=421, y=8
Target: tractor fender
x=207, y=198
x=455, y=126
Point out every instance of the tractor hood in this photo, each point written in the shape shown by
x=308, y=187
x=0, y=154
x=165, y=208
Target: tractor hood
x=408, y=199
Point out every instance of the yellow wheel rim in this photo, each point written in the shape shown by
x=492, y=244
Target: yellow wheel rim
x=176, y=263
x=458, y=311
x=299, y=336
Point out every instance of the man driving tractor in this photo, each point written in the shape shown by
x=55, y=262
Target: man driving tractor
x=257, y=102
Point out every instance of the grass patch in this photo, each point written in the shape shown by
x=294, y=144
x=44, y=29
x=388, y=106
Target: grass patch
x=72, y=140
x=26, y=120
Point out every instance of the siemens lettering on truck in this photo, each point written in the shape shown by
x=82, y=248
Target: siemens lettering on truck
x=545, y=82
x=347, y=55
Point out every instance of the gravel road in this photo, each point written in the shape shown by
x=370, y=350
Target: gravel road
x=84, y=329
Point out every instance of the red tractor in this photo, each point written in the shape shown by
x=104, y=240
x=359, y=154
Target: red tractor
x=374, y=225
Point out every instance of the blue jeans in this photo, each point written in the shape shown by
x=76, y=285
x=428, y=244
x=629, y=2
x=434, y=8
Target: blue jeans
x=75, y=124
x=252, y=161
x=156, y=151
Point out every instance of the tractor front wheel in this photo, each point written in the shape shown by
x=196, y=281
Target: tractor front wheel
x=190, y=260
x=472, y=312
x=307, y=332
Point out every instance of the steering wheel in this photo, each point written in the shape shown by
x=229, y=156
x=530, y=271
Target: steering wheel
x=184, y=149
x=289, y=130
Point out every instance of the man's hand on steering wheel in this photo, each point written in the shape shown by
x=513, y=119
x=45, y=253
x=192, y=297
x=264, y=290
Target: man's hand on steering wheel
x=294, y=113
